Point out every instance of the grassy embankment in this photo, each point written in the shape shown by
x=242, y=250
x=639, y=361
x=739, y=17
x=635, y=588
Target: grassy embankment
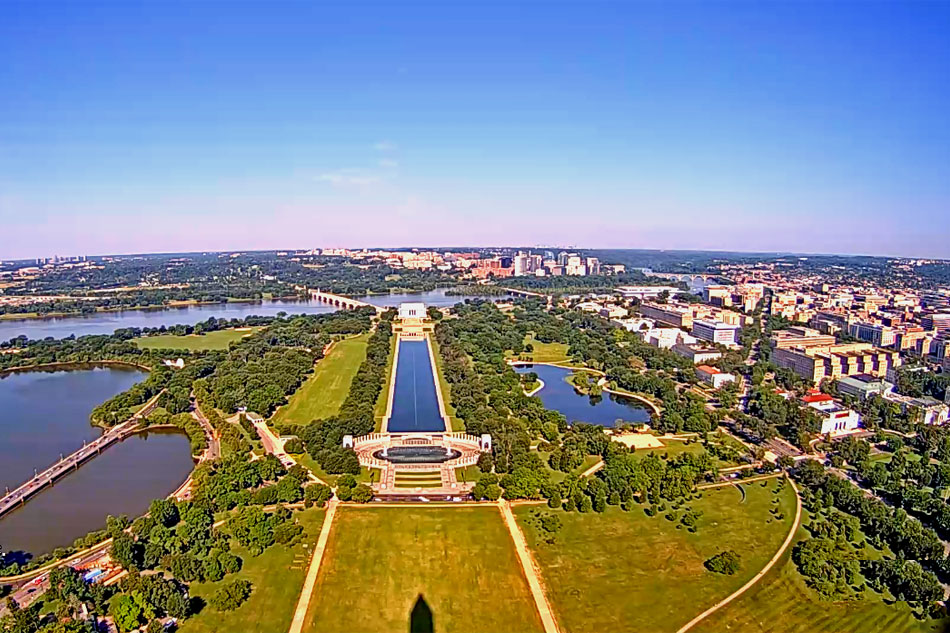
x=627, y=571
x=276, y=576
x=380, y=562
x=323, y=393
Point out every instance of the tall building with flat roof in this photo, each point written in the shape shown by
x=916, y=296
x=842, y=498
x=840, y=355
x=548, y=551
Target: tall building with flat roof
x=800, y=336
x=814, y=364
x=873, y=333
x=939, y=321
x=863, y=386
x=716, y=332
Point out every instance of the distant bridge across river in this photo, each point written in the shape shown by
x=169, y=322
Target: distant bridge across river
x=340, y=301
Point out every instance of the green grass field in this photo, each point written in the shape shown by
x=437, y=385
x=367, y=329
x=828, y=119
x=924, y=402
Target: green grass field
x=457, y=424
x=277, y=578
x=424, y=479
x=782, y=603
x=557, y=476
x=217, y=340
x=672, y=448
x=543, y=352
x=381, y=561
x=383, y=400
x=625, y=571
x=322, y=394
x=468, y=474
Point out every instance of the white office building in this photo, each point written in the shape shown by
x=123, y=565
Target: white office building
x=716, y=332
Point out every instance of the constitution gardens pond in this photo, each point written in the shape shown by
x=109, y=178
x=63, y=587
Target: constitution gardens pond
x=559, y=395
x=45, y=414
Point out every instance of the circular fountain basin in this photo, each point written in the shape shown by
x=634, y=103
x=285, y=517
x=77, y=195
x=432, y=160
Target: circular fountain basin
x=417, y=455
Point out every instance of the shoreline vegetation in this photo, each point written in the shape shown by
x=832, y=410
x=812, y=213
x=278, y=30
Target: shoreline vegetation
x=155, y=307
x=74, y=365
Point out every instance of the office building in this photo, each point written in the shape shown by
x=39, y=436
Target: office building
x=696, y=354
x=799, y=336
x=876, y=335
x=863, y=386
x=716, y=332
x=814, y=364
x=939, y=321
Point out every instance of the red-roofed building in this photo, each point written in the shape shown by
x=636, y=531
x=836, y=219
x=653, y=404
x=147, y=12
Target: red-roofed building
x=835, y=419
x=712, y=376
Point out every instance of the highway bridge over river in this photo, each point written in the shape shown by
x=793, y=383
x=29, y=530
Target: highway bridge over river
x=13, y=499
x=346, y=303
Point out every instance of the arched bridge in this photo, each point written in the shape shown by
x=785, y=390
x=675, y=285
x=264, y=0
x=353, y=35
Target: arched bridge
x=688, y=277
x=339, y=301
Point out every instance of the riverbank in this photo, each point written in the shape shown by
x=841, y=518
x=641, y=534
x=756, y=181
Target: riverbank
x=171, y=305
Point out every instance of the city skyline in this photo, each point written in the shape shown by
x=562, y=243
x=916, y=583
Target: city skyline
x=788, y=128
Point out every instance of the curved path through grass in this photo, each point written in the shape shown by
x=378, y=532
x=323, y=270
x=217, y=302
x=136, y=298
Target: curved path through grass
x=628, y=571
x=778, y=555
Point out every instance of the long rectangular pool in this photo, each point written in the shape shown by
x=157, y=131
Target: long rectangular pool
x=415, y=403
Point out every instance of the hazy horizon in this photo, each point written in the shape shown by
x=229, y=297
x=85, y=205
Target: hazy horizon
x=786, y=127
x=462, y=248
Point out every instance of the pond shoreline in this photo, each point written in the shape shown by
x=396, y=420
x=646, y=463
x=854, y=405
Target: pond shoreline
x=654, y=408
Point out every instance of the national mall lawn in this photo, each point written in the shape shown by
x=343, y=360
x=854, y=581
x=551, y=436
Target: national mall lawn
x=781, y=602
x=626, y=571
x=276, y=577
x=322, y=394
x=460, y=560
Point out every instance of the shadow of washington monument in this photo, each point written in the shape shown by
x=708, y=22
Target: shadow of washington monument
x=420, y=618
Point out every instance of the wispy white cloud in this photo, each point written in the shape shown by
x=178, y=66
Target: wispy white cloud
x=349, y=177
x=384, y=146
x=388, y=163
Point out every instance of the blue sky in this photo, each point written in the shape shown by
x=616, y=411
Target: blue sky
x=810, y=127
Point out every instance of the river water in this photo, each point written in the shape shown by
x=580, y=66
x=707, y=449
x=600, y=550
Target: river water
x=437, y=298
x=46, y=413
x=108, y=322
x=559, y=395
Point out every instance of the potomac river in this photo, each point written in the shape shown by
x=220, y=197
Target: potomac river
x=109, y=322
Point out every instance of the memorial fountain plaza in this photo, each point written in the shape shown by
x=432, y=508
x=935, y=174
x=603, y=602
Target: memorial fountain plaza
x=416, y=450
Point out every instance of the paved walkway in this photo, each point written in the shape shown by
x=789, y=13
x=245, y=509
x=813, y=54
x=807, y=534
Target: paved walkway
x=748, y=480
x=593, y=469
x=300, y=614
x=778, y=555
x=530, y=571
